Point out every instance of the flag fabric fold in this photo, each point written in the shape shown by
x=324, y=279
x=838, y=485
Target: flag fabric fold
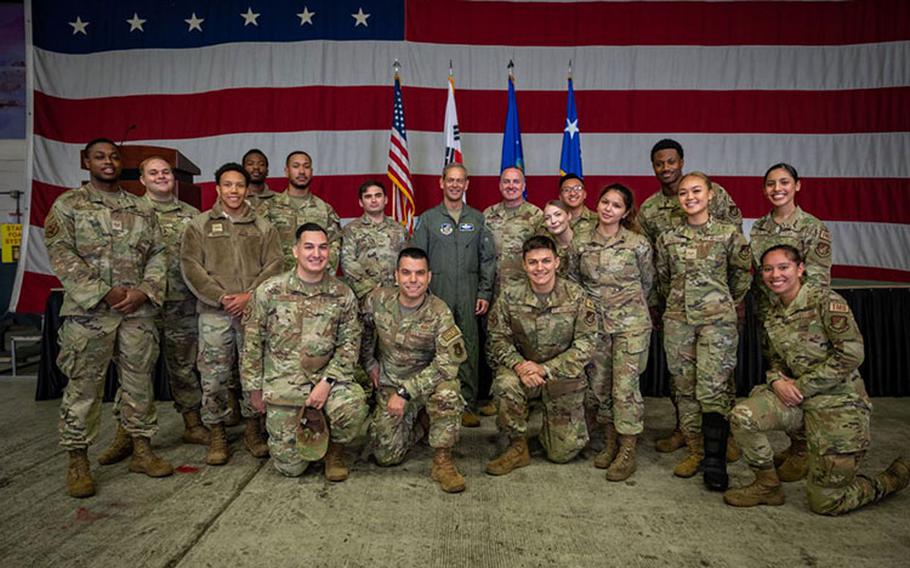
x=451, y=132
x=399, y=171
x=570, y=158
x=512, y=155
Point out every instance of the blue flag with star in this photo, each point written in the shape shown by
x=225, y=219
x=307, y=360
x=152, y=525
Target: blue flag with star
x=512, y=156
x=570, y=160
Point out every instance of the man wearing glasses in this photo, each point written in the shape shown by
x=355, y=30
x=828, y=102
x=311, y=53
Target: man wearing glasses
x=572, y=193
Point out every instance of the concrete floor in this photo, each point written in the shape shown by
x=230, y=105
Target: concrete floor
x=543, y=515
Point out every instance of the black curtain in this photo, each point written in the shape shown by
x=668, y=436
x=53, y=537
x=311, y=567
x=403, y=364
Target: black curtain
x=51, y=381
x=881, y=313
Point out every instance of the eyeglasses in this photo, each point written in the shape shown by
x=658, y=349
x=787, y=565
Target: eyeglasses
x=573, y=189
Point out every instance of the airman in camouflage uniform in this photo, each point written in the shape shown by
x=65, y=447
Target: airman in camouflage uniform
x=510, y=222
x=814, y=340
x=412, y=349
x=543, y=326
x=256, y=163
x=572, y=193
x=301, y=344
x=297, y=205
x=661, y=213
x=177, y=320
x=788, y=224
x=370, y=244
x=813, y=240
x=105, y=247
x=556, y=224
x=225, y=254
x=369, y=251
x=807, y=233
x=617, y=273
x=703, y=272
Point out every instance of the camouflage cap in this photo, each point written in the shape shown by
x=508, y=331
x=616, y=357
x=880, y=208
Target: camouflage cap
x=312, y=434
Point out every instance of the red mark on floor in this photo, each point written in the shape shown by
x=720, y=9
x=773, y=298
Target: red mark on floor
x=84, y=515
x=186, y=469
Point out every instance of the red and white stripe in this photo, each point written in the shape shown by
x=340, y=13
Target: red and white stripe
x=822, y=85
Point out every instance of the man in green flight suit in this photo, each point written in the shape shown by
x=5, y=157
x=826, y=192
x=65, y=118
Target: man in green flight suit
x=463, y=262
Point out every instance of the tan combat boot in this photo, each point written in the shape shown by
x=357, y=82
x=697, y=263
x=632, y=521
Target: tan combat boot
x=253, y=440
x=445, y=472
x=120, y=449
x=765, y=490
x=611, y=444
x=235, y=416
x=470, y=420
x=489, y=409
x=690, y=464
x=733, y=453
x=893, y=479
x=514, y=457
x=671, y=443
x=145, y=461
x=218, y=453
x=79, y=475
x=793, y=463
x=624, y=464
x=335, y=468
x=194, y=431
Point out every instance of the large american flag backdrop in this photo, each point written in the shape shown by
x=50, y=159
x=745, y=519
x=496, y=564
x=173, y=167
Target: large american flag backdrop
x=823, y=85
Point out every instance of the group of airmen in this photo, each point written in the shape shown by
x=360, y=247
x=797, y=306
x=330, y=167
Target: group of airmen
x=246, y=294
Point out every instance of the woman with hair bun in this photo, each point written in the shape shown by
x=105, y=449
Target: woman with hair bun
x=813, y=384
x=616, y=269
x=703, y=272
x=788, y=224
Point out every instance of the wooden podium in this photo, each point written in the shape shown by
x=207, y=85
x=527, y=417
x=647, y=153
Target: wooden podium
x=184, y=170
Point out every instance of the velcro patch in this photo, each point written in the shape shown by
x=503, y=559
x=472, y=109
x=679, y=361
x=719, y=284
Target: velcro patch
x=823, y=249
x=450, y=334
x=745, y=253
x=51, y=227
x=839, y=323
x=838, y=308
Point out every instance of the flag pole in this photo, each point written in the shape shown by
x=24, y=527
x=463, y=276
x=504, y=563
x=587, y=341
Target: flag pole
x=397, y=212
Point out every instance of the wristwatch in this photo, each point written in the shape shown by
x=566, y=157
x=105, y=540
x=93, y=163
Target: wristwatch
x=330, y=380
x=403, y=393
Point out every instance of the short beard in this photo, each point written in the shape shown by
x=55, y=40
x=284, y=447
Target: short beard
x=295, y=185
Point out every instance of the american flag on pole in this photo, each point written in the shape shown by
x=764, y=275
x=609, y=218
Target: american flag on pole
x=450, y=128
x=400, y=163
x=824, y=85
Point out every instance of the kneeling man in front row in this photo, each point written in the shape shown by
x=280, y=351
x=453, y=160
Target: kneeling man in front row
x=412, y=349
x=542, y=330
x=302, y=343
